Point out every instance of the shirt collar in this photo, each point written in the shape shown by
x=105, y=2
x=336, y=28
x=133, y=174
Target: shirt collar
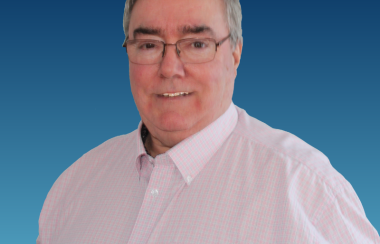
x=191, y=155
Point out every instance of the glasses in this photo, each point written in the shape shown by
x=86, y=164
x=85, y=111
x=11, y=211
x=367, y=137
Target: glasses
x=190, y=51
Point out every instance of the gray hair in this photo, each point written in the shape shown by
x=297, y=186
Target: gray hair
x=233, y=12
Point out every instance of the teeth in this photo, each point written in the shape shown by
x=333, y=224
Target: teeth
x=175, y=94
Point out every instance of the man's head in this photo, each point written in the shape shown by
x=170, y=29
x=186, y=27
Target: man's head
x=209, y=85
x=232, y=14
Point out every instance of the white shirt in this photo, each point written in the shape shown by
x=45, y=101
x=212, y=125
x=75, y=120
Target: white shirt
x=236, y=181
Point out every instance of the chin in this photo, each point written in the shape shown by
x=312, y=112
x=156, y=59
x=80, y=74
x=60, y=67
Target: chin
x=174, y=122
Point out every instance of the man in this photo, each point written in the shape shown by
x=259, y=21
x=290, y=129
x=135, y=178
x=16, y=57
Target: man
x=198, y=169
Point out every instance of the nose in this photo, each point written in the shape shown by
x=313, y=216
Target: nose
x=171, y=65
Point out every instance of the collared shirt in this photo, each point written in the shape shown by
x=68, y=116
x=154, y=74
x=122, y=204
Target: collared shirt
x=236, y=181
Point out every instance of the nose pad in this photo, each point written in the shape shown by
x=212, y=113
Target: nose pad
x=163, y=52
x=176, y=48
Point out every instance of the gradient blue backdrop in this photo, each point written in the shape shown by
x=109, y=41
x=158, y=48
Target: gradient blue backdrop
x=308, y=67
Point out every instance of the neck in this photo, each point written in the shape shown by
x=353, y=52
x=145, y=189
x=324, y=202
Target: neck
x=154, y=147
x=159, y=141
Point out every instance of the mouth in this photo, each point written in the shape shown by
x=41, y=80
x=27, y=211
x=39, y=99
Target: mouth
x=175, y=94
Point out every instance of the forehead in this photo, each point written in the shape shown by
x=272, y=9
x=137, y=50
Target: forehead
x=172, y=15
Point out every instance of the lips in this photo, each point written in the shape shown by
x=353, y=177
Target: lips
x=175, y=94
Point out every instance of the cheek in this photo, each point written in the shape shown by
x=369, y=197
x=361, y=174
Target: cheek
x=218, y=78
x=215, y=76
x=136, y=75
x=208, y=81
x=141, y=78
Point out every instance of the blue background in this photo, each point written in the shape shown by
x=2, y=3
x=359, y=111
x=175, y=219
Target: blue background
x=308, y=67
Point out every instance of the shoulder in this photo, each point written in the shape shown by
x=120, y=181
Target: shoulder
x=289, y=153
x=109, y=152
x=298, y=175
x=109, y=155
x=73, y=190
x=115, y=144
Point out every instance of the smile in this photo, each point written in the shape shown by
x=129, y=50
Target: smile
x=176, y=94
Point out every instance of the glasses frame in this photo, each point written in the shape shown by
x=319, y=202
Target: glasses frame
x=217, y=44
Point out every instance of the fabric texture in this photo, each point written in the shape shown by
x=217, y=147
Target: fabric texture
x=236, y=181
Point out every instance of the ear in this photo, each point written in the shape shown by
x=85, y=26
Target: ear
x=236, y=54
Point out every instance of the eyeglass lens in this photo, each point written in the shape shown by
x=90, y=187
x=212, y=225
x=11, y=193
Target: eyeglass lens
x=190, y=51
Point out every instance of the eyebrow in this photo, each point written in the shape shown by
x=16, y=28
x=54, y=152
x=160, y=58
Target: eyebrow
x=187, y=29
x=195, y=29
x=147, y=31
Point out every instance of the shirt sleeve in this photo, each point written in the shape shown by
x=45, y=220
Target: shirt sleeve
x=343, y=220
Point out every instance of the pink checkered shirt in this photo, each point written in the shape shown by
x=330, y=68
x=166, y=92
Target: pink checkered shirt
x=236, y=181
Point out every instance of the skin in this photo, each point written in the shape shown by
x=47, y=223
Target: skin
x=171, y=120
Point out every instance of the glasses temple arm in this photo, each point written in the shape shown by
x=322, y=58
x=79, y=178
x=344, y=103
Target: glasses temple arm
x=223, y=40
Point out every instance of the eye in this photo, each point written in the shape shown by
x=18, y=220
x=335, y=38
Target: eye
x=147, y=45
x=199, y=44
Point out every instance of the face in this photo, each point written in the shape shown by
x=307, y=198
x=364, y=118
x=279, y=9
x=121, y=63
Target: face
x=209, y=85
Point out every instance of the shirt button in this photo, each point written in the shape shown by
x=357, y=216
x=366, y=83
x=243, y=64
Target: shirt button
x=154, y=192
x=189, y=179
